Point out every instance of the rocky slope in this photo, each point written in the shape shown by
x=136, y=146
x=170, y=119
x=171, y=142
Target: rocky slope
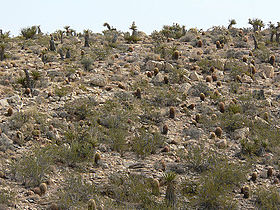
x=144, y=122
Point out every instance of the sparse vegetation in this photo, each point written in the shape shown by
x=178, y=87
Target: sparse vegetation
x=179, y=119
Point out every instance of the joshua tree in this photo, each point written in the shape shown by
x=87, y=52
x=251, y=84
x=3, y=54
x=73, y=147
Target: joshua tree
x=60, y=32
x=3, y=43
x=231, y=23
x=257, y=24
x=273, y=31
x=133, y=27
x=39, y=29
x=67, y=29
x=60, y=51
x=107, y=25
x=86, y=32
x=277, y=32
x=68, y=54
x=255, y=42
x=2, y=51
x=52, y=44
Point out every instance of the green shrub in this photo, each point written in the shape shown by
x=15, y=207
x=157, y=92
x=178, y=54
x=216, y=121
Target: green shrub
x=81, y=109
x=268, y=198
x=33, y=167
x=87, y=62
x=75, y=193
x=7, y=196
x=145, y=143
x=62, y=91
x=133, y=188
x=175, y=31
x=200, y=159
x=79, y=145
x=217, y=185
x=29, y=32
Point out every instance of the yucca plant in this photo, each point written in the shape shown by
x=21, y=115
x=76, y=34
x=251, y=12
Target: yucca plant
x=170, y=194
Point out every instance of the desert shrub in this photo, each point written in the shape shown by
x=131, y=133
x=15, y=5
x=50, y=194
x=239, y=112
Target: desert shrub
x=33, y=167
x=117, y=139
x=87, y=62
x=133, y=188
x=164, y=50
x=177, y=76
x=199, y=158
x=199, y=88
x=236, y=67
x=230, y=122
x=75, y=192
x=205, y=64
x=145, y=143
x=150, y=114
x=79, y=144
x=62, y=91
x=262, y=53
x=29, y=32
x=81, y=109
x=267, y=198
x=131, y=38
x=175, y=31
x=163, y=96
x=100, y=53
x=217, y=184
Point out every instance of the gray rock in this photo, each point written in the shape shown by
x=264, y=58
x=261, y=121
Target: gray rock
x=193, y=133
x=241, y=133
x=194, y=76
x=98, y=80
x=150, y=65
x=221, y=144
x=6, y=142
x=169, y=67
x=4, y=103
x=158, y=79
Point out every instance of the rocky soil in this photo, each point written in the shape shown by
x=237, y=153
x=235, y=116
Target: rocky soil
x=159, y=122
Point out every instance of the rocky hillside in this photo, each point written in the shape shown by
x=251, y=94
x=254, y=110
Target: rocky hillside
x=179, y=119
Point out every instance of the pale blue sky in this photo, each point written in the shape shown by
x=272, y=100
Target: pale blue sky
x=149, y=15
